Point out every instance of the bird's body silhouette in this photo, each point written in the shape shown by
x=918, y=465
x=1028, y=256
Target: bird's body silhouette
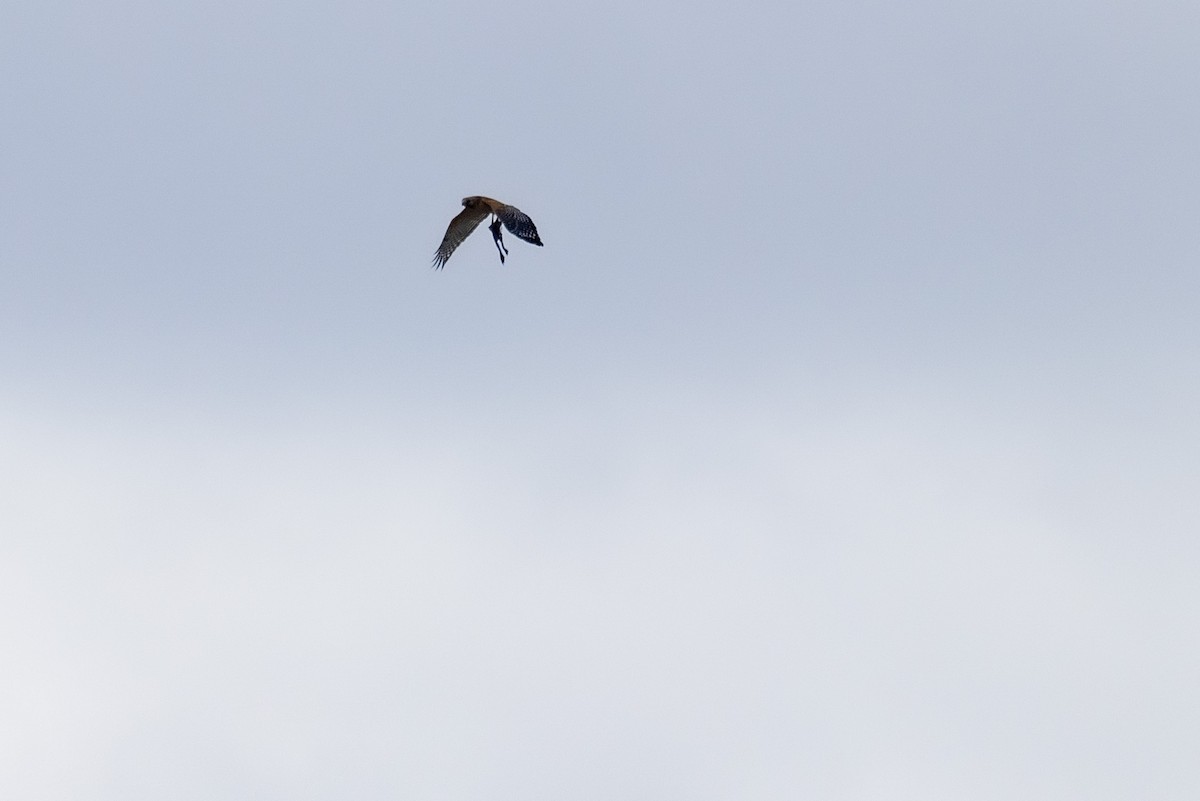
x=475, y=209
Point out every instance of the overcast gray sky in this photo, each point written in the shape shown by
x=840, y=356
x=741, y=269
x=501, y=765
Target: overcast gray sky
x=842, y=441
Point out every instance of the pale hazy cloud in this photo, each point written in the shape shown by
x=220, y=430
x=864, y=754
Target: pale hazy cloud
x=840, y=442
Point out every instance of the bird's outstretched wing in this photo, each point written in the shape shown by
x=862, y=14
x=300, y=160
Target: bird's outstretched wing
x=460, y=228
x=518, y=223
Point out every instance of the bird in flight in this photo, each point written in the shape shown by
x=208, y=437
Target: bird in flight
x=475, y=209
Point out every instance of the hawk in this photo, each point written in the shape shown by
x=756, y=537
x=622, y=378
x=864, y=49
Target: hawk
x=475, y=209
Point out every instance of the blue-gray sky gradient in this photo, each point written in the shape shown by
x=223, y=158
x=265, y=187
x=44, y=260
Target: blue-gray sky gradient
x=841, y=442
